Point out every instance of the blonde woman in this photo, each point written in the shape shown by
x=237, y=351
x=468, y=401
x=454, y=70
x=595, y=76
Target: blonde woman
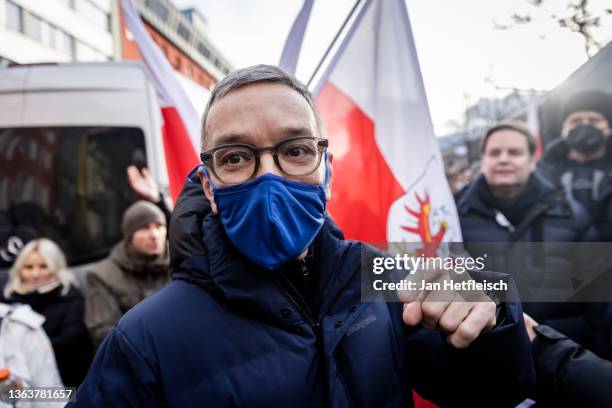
x=39, y=278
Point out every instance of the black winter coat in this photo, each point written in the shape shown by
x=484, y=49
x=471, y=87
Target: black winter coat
x=552, y=217
x=568, y=374
x=65, y=327
x=589, y=183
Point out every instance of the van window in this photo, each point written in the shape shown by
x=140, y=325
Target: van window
x=68, y=184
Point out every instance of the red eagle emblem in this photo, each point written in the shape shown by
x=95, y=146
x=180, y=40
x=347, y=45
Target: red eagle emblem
x=423, y=227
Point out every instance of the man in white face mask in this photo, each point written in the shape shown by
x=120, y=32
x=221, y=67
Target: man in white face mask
x=265, y=305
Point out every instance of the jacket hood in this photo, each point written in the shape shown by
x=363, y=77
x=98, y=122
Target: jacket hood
x=186, y=225
x=185, y=234
x=224, y=271
x=203, y=254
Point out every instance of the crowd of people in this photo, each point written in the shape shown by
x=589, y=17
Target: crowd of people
x=225, y=331
x=563, y=197
x=60, y=321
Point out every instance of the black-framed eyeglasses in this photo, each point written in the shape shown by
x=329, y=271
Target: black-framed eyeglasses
x=237, y=163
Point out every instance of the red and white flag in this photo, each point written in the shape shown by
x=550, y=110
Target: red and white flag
x=533, y=123
x=389, y=183
x=181, y=121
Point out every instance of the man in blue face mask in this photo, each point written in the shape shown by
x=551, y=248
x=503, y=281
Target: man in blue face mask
x=265, y=306
x=267, y=172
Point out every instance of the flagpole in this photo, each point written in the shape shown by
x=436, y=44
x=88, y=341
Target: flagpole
x=331, y=45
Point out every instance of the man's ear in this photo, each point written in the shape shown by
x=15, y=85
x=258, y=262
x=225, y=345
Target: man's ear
x=330, y=176
x=207, y=190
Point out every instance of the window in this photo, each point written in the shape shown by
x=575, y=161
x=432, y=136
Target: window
x=51, y=37
x=33, y=26
x=158, y=8
x=183, y=32
x=48, y=35
x=203, y=50
x=68, y=184
x=68, y=44
x=14, y=16
x=92, y=13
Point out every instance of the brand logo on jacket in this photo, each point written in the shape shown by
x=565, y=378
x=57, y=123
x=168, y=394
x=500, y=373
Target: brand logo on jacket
x=361, y=324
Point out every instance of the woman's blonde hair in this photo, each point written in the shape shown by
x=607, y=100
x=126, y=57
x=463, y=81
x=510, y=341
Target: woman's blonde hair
x=54, y=258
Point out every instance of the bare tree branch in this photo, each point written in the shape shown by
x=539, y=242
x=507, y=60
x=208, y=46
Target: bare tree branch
x=499, y=26
x=521, y=19
x=580, y=20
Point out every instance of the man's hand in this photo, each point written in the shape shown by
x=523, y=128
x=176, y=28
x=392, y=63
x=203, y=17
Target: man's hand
x=463, y=316
x=142, y=183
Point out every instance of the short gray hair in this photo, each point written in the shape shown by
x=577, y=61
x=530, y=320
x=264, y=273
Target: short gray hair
x=253, y=75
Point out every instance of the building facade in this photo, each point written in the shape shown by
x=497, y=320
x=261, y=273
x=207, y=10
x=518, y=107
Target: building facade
x=180, y=35
x=39, y=31
x=34, y=31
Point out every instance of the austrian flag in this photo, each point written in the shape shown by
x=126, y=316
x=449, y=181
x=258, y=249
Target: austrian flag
x=390, y=184
x=181, y=121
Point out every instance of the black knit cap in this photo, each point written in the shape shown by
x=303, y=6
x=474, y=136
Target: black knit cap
x=589, y=100
x=139, y=215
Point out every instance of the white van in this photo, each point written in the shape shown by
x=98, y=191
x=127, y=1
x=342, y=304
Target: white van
x=67, y=134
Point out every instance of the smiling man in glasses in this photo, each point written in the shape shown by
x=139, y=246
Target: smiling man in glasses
x=265, y=307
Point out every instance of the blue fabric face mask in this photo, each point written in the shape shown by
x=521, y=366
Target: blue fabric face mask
x=271, y=220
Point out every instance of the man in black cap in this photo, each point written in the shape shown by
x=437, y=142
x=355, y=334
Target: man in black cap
x=581, y=161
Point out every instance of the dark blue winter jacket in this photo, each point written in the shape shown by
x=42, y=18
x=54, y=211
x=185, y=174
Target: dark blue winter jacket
x=227, y=333
x=558, y=221
x=553, y=217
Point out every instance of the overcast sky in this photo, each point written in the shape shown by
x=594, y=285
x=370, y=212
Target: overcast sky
x=456, y=41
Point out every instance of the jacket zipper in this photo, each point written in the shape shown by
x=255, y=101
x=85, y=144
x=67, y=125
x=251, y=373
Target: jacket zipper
x=316, y=327
x=303, y=311
x=316, y=324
